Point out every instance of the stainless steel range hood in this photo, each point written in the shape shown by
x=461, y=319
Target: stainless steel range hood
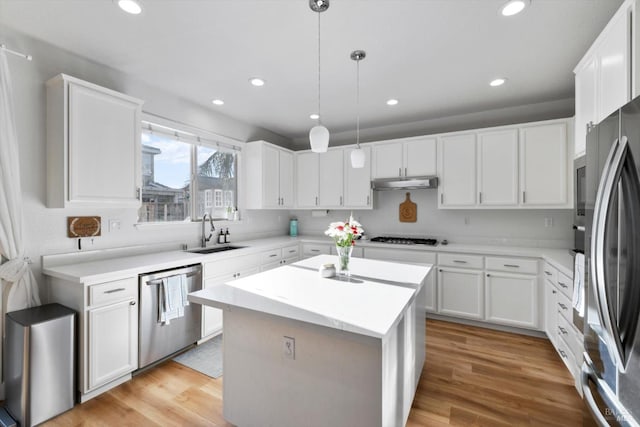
x=405, y=183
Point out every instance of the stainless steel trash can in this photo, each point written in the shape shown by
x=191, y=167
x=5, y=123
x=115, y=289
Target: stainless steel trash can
x=40, y=363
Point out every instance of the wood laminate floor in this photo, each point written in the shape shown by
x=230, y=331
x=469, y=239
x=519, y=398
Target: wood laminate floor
x=472, y=377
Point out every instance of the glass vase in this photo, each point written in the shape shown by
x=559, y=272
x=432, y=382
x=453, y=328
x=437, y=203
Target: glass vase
x=344, y=256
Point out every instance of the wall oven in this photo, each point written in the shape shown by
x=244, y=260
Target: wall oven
x=579, y=201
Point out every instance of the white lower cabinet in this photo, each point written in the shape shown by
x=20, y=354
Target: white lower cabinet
x=107, y=330
x=278, y=257
x=217, y=273
x=113, y=341
x=312, y=249
x=511, y=299
x=460, y=292
x=565, y=337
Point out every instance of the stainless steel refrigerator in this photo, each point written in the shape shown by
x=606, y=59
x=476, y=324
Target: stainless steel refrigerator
x=611, y=368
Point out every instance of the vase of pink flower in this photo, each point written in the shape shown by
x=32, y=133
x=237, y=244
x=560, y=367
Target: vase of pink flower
x=344, y=235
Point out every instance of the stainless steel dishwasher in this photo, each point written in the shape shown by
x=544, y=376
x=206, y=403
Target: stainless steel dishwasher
x=157, y=340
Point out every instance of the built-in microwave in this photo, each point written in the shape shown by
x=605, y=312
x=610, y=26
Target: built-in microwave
x=579, y=178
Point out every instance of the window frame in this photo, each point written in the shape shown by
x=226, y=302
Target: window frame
x=195, y=137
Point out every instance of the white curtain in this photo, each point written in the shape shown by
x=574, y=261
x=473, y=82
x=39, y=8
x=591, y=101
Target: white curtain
x=19, y=287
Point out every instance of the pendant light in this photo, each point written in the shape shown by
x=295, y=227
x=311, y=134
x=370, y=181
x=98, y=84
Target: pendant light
x=319, y=135
x=358, y=157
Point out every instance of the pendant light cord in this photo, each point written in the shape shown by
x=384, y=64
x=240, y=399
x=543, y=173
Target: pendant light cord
x=319, y=93
x=358, y=103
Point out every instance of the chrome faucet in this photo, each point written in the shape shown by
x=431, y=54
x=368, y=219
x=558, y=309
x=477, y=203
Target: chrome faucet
x=204, y=240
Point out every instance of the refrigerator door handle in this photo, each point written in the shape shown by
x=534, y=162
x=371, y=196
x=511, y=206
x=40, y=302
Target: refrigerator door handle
x=586, y=375
x=606, y=190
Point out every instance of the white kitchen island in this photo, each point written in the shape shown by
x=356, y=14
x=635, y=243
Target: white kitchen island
x=301, y=350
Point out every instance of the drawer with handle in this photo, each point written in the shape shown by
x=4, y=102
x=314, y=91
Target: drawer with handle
x=564, y=307
x=550, y=273
x=109, y=292
x=313, y=249
x=565, y=284
x=272, y=255
x=461, y=260
x=513, y=265
x=290, y=251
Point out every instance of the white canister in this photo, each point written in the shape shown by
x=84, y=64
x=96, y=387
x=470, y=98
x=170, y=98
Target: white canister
x=327, y=270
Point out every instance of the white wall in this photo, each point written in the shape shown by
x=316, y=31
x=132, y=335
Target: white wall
x=501, y=227
x=45, y=229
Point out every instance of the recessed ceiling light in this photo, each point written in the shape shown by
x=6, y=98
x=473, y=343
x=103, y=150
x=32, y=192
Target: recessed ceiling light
x=314, y=116
x=392, y=102
x=256, y=81
x=130, y=6
x=497, y=82
x=218, y=102
x=513, y=7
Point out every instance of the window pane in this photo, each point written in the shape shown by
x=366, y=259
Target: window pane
x=165, y=179
x=216, y=174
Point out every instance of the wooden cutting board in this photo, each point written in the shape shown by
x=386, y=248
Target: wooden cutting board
x=408, y=210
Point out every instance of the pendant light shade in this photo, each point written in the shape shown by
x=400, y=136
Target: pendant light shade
x=319, y=139
x=319, y=135
x=358, y=158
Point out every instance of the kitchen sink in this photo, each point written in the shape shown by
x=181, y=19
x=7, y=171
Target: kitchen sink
x=214, y=249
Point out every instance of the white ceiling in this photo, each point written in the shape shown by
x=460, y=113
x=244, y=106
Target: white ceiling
x=435, y=56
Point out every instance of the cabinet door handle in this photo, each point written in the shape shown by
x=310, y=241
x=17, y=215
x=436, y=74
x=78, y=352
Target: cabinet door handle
x=440, y=270
x=553, y=291
x=457, y=261
x=562, y=306
x=480, y=197
x=272, y=255
x=562, y=330
x=512, y=265
x=405, y=172
x=399, y=171
x=132, y=303
x=292, y=251
x=563, y=285
x=562, y=353
x=547, y=273
x=316, y=200
x=238, y=274
x=340, y=200
x=524, y=198
x=441, y=198
x=113, y=291
x=367, y=200
x=138, y=193
x=488, y=275
x=315, y=250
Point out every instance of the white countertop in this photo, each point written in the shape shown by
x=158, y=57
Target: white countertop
x=76, y=269
x=369, y=304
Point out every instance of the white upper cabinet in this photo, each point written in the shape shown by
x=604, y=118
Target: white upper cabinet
x=457, y=170
x=319, y=179
x=93, y=145
x=544, y=166
x=327, y=180
x=331, y=188
x=268, y=173
x=307, y=179
x=357, y=183
x=604, y=78
x=404, y=157
x=498, y=168
x=509, y=167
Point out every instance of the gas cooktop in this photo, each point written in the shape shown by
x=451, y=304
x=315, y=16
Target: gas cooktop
x=404, y=240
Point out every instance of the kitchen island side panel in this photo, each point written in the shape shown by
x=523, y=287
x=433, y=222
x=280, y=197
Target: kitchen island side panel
x=335, y=378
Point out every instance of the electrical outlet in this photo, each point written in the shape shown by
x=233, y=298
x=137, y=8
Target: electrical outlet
x=114, y=224
x=289, y=348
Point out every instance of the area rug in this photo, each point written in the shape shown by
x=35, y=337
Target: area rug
x=205, y=358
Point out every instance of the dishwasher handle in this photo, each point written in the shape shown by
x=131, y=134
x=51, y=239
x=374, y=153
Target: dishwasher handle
x=190, y=271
